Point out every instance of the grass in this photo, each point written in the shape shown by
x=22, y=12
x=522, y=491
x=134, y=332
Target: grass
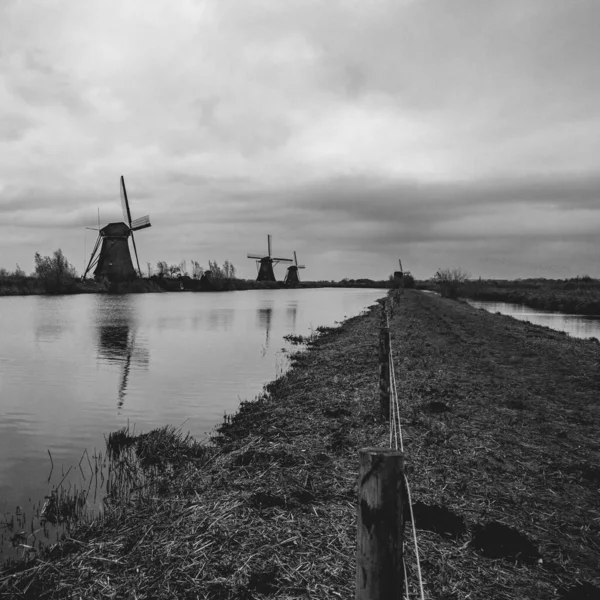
x=575, y=296
x=500, y=422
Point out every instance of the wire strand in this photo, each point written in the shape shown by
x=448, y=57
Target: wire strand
x=395, y=437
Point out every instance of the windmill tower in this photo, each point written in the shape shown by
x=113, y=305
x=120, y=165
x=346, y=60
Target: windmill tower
x=111, y=255
x=265, y=264
x=291, y=277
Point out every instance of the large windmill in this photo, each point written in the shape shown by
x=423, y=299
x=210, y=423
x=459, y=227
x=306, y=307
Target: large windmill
x=111, y=255
x=265, y=263
x=291, y=277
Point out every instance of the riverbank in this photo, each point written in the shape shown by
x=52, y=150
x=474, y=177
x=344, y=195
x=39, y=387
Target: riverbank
x=500, y=427
x=32, y=286
x=571, y=296
x=28, y=286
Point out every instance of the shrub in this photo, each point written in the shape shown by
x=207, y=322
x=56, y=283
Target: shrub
x=450, y=281
x=55, y=273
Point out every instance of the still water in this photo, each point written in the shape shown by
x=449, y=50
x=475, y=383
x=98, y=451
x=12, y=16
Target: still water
x=74, y=368
x=579, y=326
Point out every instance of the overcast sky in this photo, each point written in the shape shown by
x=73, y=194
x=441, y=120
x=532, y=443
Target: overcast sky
x=445, y=132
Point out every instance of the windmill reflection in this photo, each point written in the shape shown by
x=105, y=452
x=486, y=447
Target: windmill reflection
x=264, y=316
x=116, y=329
x=291, y=313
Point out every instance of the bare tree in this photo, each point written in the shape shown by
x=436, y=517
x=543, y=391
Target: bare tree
x=450, y=280
x=197, y=270
x=183, y=267
x=162, y=267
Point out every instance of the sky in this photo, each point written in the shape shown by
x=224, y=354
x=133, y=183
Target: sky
x=446, y=133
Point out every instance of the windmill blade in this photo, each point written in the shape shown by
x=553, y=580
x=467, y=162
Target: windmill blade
x=125, y=203
x=295, y=258
x=400, y=261
x=140, y=223
x=269, y=243
x=256, y=256
x=92, y=263
x=300, y=267
x=136, y=255
x=282, y=259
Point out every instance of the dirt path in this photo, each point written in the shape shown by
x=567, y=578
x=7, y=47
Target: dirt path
x=518, y=443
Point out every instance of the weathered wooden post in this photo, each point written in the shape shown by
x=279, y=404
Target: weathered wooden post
x=379, y=543
x=384, y=372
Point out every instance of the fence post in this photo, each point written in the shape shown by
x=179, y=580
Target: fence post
x=379, y=543
x=384, y=372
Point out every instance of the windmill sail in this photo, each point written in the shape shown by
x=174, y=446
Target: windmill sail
x=140, y=223
x=125, y=203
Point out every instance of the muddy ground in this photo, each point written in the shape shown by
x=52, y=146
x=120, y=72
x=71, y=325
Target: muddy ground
x=501, y=424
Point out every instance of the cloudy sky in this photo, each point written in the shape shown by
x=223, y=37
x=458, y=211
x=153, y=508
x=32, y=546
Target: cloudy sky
x=445, y=132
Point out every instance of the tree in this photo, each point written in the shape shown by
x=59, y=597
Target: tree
x=173, y=270
x=197, y=270
x=183, y=267
x=215, y=269
x=450, y=280
x=228, y=270
x=161, y=268
x=55, y=272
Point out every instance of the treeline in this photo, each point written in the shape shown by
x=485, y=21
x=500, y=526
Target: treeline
x=51, y=275
x=195, y=271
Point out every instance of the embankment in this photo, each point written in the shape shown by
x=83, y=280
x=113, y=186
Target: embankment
x=501, y=422
x=559, y=298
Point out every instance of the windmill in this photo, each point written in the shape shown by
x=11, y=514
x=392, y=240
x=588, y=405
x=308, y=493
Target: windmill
x=265, y=263
x=111, y=255
x=291, y=277
x=399, y=274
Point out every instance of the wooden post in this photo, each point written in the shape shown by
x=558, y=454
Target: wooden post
x=384, y=372
x=379, y=544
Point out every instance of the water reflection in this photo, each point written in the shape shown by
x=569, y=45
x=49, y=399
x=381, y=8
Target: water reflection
x=116, y=328
x=220, y=319
x=50, y=322
x=264, y=316
x=291, y=313
x=579, y=326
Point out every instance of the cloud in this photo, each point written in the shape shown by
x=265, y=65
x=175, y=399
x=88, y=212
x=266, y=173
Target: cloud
x=353, y=132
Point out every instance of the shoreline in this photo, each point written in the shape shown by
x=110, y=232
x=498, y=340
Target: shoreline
x=33, y=288
x=270, y=510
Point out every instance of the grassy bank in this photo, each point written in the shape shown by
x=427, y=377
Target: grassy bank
x=501, y=423
x=27, y=285
x=575, y=296
x=234, y=284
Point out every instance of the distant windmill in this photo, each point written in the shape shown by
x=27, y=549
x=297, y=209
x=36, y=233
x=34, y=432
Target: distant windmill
x=112, y=258
x=291, y=277
x=265, y=263
x=399, y=274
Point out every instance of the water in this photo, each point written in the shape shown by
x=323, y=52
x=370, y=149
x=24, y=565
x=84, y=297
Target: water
x=579, y=326
x=74, y=368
